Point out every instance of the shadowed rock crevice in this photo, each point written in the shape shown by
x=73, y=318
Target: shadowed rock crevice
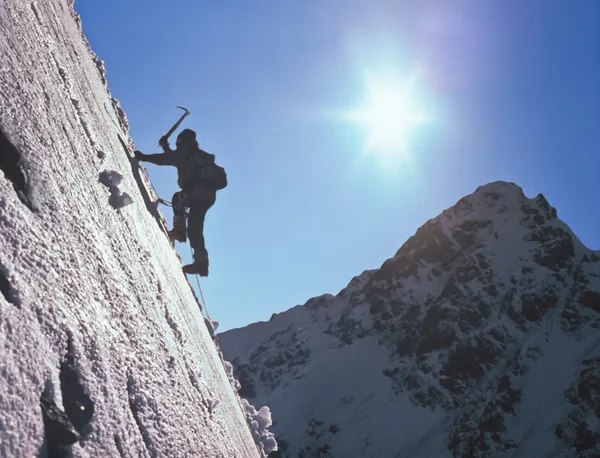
x=119, y=445
x=6, y=288
x=59, y=433
x=137, y=405
x=62, y=429
x=174, y=327
x=11, y=165
x=76, y=402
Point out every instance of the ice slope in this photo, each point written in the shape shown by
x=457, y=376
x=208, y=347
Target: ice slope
x=103, y=347
x=479, y=337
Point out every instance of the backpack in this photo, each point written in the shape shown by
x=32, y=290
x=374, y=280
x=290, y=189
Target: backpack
x=200, y=167
x=213, y=176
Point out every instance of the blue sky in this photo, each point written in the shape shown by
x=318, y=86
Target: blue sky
x=512, y=88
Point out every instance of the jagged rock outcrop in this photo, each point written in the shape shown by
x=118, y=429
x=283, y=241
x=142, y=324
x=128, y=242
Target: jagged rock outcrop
x=479, y=337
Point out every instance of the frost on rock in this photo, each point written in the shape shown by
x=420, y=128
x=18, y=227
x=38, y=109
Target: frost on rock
x=101, y=68
x=83, y=118
x=122, y=117
x=112, y=179
x=210, y=326
x=229, y=371
x=99, y=63
x=141, y=375
x=259, y=422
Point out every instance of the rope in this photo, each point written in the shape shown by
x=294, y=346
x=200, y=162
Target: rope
x=160, y=200
x=204, y=307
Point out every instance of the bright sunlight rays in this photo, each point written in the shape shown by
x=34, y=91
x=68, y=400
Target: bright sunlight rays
x=391, y=111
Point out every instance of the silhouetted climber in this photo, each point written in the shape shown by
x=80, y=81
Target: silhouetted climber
x=199, y=179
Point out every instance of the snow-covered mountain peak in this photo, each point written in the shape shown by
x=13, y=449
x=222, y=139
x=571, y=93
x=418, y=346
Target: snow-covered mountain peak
x=500, y=204
x=499, y=207
x=459, y=328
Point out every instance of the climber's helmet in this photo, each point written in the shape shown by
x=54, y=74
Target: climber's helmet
x=185, y=136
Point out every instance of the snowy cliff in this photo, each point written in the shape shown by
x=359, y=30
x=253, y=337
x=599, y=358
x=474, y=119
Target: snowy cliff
x=479, y=337
x=103, y=347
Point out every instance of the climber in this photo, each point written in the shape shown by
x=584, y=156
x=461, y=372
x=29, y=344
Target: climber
x=199, y=179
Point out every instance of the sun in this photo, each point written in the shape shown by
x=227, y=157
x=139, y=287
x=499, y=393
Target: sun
x=392, y=110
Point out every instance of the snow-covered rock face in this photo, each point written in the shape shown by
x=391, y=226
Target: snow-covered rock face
x=103, y=348
x=480, y=337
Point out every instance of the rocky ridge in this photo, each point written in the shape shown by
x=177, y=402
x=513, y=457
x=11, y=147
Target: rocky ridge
x=486, y=319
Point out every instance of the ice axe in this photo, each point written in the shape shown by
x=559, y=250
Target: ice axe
x=176, y=125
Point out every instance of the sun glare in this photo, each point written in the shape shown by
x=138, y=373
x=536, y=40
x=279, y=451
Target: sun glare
x=391, y=111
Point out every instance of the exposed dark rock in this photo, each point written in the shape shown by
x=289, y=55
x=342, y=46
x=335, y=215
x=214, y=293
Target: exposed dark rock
x=491, y=290
x=11, y=164
x=556, y=253
x=483, y=264
x=433, y=335
x=59, y=431
x=406, y=346
x=591, y=300
x=62, y=429
x=535, y=306
x=77, y=403
x=6, y=288
x=464, y=239
x=468, y=360
x=466, y=273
